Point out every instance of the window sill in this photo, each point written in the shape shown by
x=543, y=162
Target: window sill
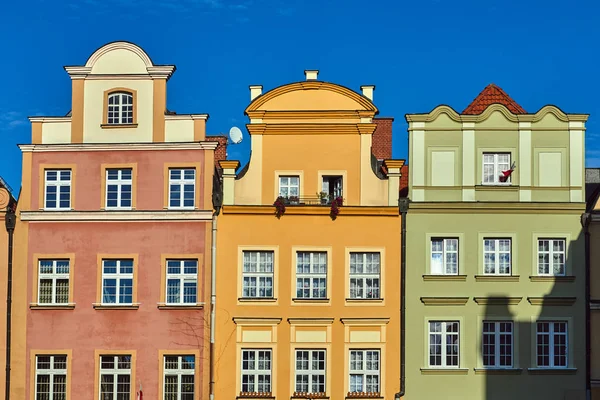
x=363, y=395
x=58, y=209
x=118, y=209
x=180, y=208
x=113, y=126
x=497, y=278
x=354, y=300
x=497, y=186
x=444, y=371
x=302, y=300
x=191, y=306
x=498, y=371
x=552, y=371
x=550, y=278
x=257, y=299
x=41, y=306
x=98, y=306
x=461, y=278
x=246, y=395
x=305, y=396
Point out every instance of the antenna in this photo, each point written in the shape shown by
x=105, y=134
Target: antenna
x=235, y=135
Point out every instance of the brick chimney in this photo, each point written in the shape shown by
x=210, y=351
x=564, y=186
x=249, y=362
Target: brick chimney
x=221, y=150
x=381, y=145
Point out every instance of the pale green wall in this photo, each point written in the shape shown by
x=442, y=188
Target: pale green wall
x=470, y=228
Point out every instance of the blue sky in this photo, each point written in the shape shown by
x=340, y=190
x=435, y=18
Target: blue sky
x=418, y=53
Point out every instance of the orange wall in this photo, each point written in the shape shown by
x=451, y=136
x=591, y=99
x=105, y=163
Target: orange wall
x=3, y=287
x=304, y=230
x=147, y=329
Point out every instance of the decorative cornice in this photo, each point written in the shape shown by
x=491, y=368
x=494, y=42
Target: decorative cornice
x=444, y=301
x=111, y=216
x=456, y=117
x=179, y=117
x=229, y=164
x=460, y=278
x=394, y=163
x=364, y=102
x=497, y=278
x=365, y=321
x=256, y=321
x=311, y=128
x=496, y=207
x=310, y=321
x=552, y=301
x=444, y=371
x=310, y=114
x=49, y=119
x=205, y=145
x=543, y=278
x=497, y=301
x=313, y=210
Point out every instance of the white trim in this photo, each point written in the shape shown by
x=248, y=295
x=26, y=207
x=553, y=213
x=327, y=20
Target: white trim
x=182, y=279
x=444, y=252
x=443, y=333
x=256, y=371
x=181, y=183
x=551, y=253
x=206, y=145
x=58, y=183
x=313, y=371
x=179, y=117
x=258, y=275
x=497, y=252
x=551, y=337
x=362, y=276
x=364, y=371
x=119, y=183
x=49, y=119
x=179, y=215
x=117, y=276
x=51, y=372
x=115, y=373
x=496, y=334
x=53, y=276
x=179, y=372
x=313, y=275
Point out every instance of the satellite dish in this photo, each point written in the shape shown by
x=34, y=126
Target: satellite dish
x=235, y=134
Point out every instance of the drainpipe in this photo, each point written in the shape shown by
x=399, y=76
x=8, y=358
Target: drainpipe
x=585, y=221
x=213, y=302
x=403, y=205
x=10, y=223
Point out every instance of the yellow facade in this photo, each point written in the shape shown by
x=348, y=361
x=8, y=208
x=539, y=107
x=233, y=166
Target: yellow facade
x=308, y=130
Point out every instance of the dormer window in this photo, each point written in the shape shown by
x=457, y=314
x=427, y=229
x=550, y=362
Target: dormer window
x=497, y=169
x=120, y=108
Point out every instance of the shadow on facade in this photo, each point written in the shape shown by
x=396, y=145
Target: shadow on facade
x=526, y=379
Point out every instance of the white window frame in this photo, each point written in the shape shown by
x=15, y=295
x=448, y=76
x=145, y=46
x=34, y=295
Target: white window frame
x=58, y=184
x=182, y=182
x=54, y=276
x=360, y=369
x=119, y=112
x=115, y=372
x=182, y=277
x=497, y=168
x=118, y=276
x=256, y=275
x=551, y=253
x=312, y=276
x=363, y=276
x=311, y=373
x=257, y=372
x=180, y=372
x=496, y=253
x=443, y=334
x=289, y=186
x=119, y=183
x=552, y=335
x=51, y=372
x=446, y=251
x=495, y=335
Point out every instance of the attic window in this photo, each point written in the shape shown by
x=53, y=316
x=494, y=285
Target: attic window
x=119, y=108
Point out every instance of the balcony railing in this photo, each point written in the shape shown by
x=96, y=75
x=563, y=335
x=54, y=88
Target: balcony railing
x=308, y=200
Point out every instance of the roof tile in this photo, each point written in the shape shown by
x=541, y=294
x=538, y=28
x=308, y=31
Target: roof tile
x=492, y=94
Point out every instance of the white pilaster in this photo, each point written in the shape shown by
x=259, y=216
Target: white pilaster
x=524, y=162
x=576, y=160
x=417, y=166
x=468, y=161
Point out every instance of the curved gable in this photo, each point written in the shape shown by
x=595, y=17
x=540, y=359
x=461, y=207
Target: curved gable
x=119, y=58
x=311, y=96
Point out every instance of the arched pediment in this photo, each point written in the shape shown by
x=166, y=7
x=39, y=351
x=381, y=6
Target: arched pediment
x=311, y=96
x=119, y=58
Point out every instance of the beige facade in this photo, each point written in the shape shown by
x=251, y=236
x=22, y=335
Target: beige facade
x=495, y=267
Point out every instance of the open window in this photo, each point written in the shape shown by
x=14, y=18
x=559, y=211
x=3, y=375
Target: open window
x=332, y=187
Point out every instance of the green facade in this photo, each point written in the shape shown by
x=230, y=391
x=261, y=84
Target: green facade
x=516, y=295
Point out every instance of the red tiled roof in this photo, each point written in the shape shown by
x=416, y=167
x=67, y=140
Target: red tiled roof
x=492, y=94
x=404, y=181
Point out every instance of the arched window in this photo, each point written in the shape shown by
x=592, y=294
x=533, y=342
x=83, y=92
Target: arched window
x=120, y=108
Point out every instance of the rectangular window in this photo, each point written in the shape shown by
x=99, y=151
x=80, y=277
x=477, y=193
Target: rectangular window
x=289, y=186
x=179, y=374
x=53, y=282
x=497, y=344
x=311, y=275
x=182, y=281
x=551, y=257
x=497, y=257
x=494, y=164
x=58, y=190
x=257, y=274
x=118, y=188
x=256, y=371
x=332, y=186
x=115, y=377
x=117, y=282
x=551, y=338
x=182, y=188
x=310, y=371
x=51, y=377
x=444, y=344
x=365, y=276
x=444, y=256
x=365, y=371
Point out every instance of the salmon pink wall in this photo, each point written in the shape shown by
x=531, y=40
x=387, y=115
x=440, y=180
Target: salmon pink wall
x=89, y=180
x=85, y=329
